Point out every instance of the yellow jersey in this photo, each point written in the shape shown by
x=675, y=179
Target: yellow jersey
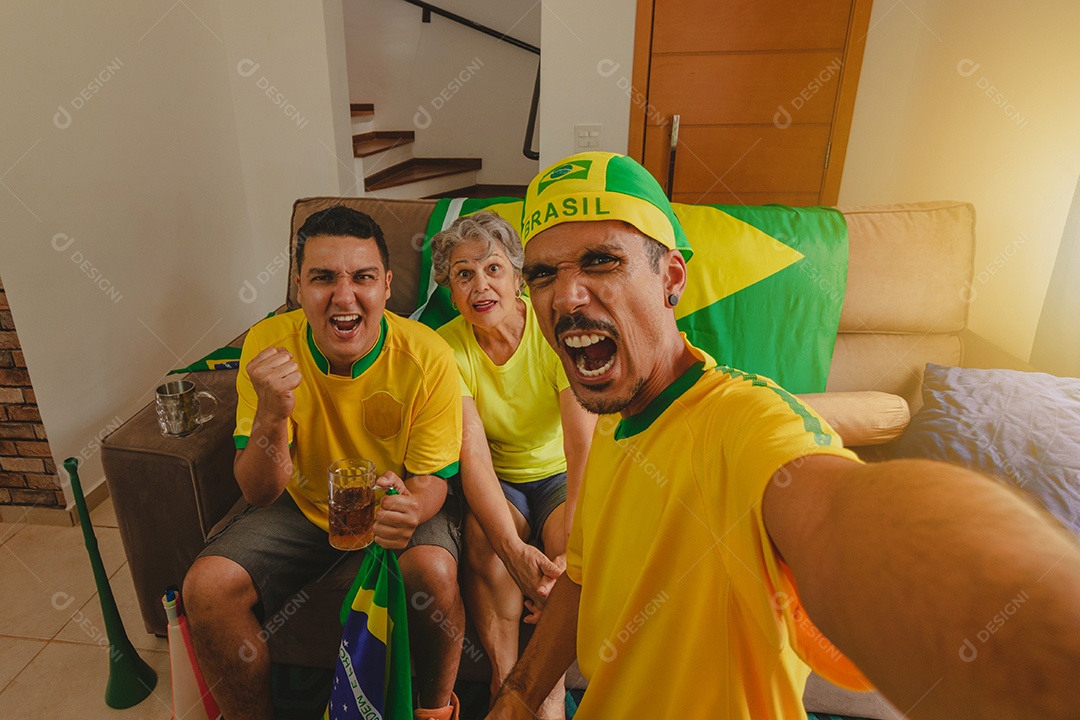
x=685, y=610
x=518, y=401
x=400, y=408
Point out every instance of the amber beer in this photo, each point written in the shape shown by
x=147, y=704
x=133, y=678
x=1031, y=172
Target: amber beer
x=353, y=500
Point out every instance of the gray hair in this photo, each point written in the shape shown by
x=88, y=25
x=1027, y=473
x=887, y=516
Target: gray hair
x=483, y=225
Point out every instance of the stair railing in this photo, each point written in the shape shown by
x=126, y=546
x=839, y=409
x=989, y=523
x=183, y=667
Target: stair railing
x=430, y=10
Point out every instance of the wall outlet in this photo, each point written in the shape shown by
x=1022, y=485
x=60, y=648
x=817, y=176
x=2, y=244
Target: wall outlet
x=587, y=138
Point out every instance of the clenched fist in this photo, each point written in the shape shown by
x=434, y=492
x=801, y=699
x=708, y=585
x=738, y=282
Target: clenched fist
x=274, y=375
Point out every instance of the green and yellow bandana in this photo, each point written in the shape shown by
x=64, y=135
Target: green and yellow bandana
x=601, y=186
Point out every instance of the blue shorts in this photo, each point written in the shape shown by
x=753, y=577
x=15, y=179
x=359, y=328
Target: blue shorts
x=536, y=500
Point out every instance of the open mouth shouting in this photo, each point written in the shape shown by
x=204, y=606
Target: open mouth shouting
x=590, y=344
x=345, y=325
x=593, y=355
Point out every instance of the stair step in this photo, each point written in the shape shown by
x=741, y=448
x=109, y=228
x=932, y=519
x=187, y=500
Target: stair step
x=359, y=109
x=483, y=191
x=446, y=184
x=369, y=143
x=417, y=169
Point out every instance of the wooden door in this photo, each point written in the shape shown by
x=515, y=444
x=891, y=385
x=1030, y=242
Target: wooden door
x=764, y=90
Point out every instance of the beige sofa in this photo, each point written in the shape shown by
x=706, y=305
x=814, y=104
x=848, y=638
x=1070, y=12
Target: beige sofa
x=905, y=305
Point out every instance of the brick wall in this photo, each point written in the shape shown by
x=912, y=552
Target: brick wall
x=27, y=472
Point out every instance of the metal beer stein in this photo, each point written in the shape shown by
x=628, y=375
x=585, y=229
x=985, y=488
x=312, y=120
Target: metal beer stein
x=178, y=409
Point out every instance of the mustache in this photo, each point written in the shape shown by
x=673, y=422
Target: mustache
x=569, y=323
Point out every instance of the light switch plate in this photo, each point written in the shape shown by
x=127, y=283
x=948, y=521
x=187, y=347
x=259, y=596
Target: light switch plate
x=587, y=138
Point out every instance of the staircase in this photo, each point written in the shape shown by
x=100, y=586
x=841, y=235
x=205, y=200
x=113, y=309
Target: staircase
x=385, y=166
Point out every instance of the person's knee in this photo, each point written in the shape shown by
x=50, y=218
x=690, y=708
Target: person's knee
x=214, y=583
x=430, y=570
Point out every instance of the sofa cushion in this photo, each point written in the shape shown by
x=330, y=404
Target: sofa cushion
x=889, y=362
x=1020, y=427
x=861, y=418
x=909, y=267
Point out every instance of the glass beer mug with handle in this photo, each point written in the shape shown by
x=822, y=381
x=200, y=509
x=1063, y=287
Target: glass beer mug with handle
x=353, y=501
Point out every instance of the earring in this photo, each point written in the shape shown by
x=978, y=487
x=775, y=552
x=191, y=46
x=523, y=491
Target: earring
x=518, y=293
x=453, y=304
x=673, y=299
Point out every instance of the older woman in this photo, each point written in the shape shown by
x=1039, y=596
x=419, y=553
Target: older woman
x=525, y=436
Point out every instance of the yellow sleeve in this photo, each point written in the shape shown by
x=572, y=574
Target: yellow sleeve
x=447, y=333
x=247, y=401
x=761, y=430
x=435, y=432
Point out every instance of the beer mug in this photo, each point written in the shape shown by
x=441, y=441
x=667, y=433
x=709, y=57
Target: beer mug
x=353, y=500
x=178, y=409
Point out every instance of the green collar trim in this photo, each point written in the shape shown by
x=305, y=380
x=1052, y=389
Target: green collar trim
x=630, y=426
x=360, y=365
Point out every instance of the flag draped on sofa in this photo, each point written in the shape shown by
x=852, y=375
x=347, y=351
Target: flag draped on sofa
x=764, y=290
x=372, y=680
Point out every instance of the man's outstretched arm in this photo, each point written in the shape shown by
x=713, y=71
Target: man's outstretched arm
x=956, y=597
x=548, y=655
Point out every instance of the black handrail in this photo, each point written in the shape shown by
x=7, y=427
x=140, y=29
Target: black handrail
x=428, y=9
x=526, y=149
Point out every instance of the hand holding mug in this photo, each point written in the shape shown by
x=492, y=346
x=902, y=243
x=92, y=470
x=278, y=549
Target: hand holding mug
x=398, y=514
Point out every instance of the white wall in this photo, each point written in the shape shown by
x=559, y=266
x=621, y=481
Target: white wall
x=464, y=93
x=135, y=214
x=976, y=101
x=588, y=51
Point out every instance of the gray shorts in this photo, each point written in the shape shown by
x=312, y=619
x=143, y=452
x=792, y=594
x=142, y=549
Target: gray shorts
x=283, y=551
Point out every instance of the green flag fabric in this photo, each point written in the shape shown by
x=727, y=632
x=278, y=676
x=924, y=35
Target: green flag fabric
x=764, y=291
x=373, y=680
x=225, y=358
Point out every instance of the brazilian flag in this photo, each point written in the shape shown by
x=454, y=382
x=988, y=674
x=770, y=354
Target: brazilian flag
x=373, y=678
x=765, y=288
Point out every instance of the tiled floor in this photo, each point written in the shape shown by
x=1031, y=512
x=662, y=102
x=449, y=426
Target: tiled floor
x=54, y=659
